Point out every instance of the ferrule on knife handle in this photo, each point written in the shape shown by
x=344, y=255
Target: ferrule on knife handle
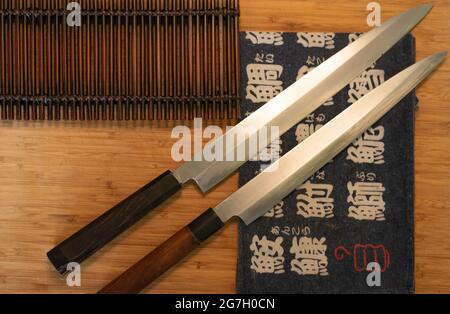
x=169, y=253
x=106, y=227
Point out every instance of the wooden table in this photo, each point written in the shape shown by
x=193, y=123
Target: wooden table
x=57, y=176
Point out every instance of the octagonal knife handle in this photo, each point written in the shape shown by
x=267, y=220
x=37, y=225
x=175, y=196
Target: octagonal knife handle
x=161, y=259
x=106, y=227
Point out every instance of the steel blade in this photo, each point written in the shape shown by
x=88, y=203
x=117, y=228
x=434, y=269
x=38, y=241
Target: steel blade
x=304, y=96
x=260, y=194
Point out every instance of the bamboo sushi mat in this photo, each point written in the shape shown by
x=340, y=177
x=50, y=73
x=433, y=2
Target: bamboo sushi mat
x=128, y=60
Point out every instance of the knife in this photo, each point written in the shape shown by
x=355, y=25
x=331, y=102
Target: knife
x=259, y=195
x=283, y=111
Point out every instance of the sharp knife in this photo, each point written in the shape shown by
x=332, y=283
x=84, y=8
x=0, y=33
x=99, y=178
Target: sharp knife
x=259, y=195
x=283, y=111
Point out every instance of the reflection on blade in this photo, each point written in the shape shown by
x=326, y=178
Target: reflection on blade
x=277, y=181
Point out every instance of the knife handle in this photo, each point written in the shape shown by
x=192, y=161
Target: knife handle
x=106, y=227
x=169, y=253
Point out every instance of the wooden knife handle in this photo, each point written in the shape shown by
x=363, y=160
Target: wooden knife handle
x=106, y=227
x=154, y=264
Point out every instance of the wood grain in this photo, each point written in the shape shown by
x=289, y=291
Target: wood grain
x=103, y=229
x=57, y=177
x=152, y=265
x=138, y=276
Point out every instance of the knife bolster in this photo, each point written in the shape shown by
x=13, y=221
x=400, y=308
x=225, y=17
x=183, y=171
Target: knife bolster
x=205, y=225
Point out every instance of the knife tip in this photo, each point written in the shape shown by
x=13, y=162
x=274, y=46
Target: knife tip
x=441, y=55
x=411, y=17
x=421, y=10
x=433, y=61
x=425, y=8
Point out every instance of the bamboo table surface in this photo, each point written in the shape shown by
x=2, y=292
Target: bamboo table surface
x=55, y=177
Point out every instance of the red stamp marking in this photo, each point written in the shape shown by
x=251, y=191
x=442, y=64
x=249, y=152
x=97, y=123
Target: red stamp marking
x=360, y=252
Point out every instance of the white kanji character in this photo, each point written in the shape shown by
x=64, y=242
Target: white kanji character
x=263, y=82
x=309, y=256
x=270, y=38
x=367, y=201
x=316, y=200
x=315, y=39
x=364, y=83
x=267, y=255
x=368, y=148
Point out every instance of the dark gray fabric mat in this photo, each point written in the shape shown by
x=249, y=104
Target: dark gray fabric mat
x=359, y=208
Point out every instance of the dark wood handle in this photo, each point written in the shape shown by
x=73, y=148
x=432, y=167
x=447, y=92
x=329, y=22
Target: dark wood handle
x=154, y=264
x=105, y=228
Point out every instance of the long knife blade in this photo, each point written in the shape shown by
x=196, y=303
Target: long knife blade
x=302, y=97
x=260, y=194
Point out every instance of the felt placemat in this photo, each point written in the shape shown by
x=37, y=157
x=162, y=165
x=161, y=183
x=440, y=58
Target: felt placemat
x=356, y=210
